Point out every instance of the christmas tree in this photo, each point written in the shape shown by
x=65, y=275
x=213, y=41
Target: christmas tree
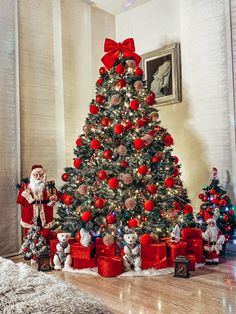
x=217, y=204
x=124, y=173
x=34, y=244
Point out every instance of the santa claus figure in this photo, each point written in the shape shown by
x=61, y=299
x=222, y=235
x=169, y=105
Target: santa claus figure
x=214, y=240
x=37, y=202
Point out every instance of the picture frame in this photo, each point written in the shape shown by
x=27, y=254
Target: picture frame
x=162, y=70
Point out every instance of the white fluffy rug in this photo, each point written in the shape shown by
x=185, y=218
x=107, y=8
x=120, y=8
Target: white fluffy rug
x=26, y=291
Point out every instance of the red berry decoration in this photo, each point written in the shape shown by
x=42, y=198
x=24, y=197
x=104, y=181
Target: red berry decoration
x=175, y=159
x=168, y=140
x=99, y=202
x=205, y=198
x=77, y=162
x=134, y=104
x=102, y=71
x=36, y=241
x=149, y=206
x=225, y=217
x=120, y=69
x=187, y=209
x=141, y=123
x=212, y=192
x=100, y=99
x=128, y=125
x=95, y=144
x=79, y=141
x=222, y=203
x=145, y=239
x=150, y=100
x=102, y=175
x=215, y=201
x=65, y=177
x=118, y=129
x=143, y=170
x=68, y=200
x=93, y=109
x=110, y=218
x=105, y=121
x=201, y=196
x=169, y=182
x=133, y=223
x=231, y=212
x=25, y=249
x=124, y=164
x=151, y=188
x=156, y=158
x=121, y=83
x=100, y=82
x=107, y=154
x=138, y=143
x=138, y=72
x=86, y=216
x=113, y=183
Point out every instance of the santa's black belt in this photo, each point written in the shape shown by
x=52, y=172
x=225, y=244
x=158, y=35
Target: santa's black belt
x=41, y=202
x=212, y=243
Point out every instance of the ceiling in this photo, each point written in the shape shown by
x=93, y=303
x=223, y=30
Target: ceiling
x=117, y=6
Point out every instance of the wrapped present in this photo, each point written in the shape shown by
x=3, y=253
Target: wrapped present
x=105, y=250
x=80, y=263
x=195, y=247
x=150, y=252
x=81, y=252
x=174, y=249
x=110, y=266
x=192, y=261
x=159, y=263
x=53, y=244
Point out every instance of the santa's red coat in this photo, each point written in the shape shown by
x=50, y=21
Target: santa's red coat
x=31, y=209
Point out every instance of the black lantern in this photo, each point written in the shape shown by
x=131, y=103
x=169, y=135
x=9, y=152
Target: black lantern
x=43, y=261
x=182, y=267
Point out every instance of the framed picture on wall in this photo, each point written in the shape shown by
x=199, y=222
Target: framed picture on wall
x=163, y=73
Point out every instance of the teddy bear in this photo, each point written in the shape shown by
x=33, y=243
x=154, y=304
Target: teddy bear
x=132, y=251
x=62, y=255
x=85, y=237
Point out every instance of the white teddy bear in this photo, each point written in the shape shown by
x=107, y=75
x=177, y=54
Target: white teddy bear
x=85, y=237
x=62, y=255
x=132, y=252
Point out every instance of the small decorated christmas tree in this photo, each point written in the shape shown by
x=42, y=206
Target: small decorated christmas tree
x=124, y=175
x=34, y=244
x=217, y=204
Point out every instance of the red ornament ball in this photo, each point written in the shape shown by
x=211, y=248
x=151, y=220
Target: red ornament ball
x=102, y=175
x=175, y=159
x=100, y=99
x=201, y=213
x=93, y=109
x=105, y=121
x=151, y=188
x=124, y=164
x=222, y=202
x=128, y=125
x=121, y=83
x=145, y=239
x=156, y=158
x=86, y=216
x=120, y=69
x=79, y=141
x=212, y=192
x=65, y=177
x=141, y=123
x=138, y=143
x=150, y=100
x=225, y=217
x=99, y=202
x=77, y=163
x=175, y=172
x=187, y=209
x=102, y=71
x=169, y=182
x=118, y=129
x=201, y=196
x=107, y=154
x=149, y=206
x=100, y=82
x=36, y=241
x=215, y=201
x=231, y=212
x=138, y=72
x=134, y=104
x=95, y=144
x=133, y=223
x=68, y=200
x=205, y=198
x=168, y=140
x=110, y=218
x=113, y=183
x=143, y=170
x=25, y=249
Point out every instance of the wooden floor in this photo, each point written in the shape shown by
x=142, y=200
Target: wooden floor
x=210, y=290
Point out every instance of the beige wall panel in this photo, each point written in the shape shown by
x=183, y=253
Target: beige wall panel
x=9, y=157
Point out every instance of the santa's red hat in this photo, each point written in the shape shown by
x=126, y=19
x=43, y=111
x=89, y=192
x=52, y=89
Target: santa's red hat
x=36, y=168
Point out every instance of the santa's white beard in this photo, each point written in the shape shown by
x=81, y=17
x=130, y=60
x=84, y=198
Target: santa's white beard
x=213, y=233
x=36, y=186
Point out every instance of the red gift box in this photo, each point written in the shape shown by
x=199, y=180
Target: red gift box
x=154, y=255
x=79, y=251
x=80, y=263
x=192, y=262
x=195, y=247
x=53, y=244
x=174, y=249
x=110, y=266
x=105, y=250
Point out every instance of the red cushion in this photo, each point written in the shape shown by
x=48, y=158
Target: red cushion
x=191, y=233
